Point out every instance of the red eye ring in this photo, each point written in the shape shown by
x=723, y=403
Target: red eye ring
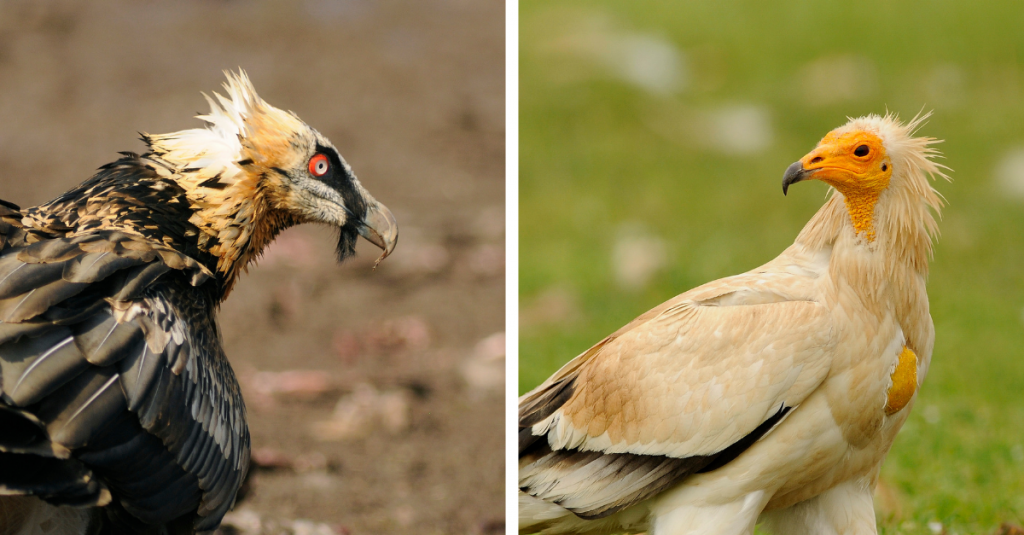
x=319, y=165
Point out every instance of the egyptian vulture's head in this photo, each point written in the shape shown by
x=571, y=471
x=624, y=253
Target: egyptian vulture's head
x=866, y=158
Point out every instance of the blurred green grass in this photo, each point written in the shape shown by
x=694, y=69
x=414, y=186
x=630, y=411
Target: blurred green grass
x=599, y=153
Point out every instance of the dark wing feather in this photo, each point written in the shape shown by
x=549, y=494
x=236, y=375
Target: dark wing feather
x=59, y=481
x=113, y=380
x=184, y=392
x=32, y=367
x=594, y=484
x=24, y=433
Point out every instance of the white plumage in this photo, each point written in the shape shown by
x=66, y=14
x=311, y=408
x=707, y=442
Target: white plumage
x=772, y=395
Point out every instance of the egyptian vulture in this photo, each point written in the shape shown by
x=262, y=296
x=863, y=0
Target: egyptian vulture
x=773, y=395
x=115, y=393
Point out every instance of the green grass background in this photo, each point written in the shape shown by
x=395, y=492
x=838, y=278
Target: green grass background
x=595, y=153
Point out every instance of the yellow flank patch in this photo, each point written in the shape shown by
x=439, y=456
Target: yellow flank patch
x=904, y=382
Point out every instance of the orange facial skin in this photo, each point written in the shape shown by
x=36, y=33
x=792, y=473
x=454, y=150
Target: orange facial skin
x=856, y=164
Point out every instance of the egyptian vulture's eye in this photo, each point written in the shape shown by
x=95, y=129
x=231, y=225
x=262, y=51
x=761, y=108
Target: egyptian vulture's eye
x=862, y=151
x=319, y=165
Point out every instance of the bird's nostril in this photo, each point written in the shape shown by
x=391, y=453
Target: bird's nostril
x=816, y=159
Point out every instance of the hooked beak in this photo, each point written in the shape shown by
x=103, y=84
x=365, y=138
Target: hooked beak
x=794, y=173
x=380, y=228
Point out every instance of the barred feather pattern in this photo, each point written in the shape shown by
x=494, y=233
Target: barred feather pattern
x=114, y=388
x=113, y=376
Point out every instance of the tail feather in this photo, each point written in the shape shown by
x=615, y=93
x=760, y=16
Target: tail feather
x=59, y=481
x=23, y=433
x=28, y=515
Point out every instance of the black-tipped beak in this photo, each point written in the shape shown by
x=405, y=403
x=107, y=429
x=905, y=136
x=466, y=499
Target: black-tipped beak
x=380, y=228
x=794, y=173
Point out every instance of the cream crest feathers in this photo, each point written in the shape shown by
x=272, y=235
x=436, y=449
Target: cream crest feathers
x=905, y=223
x=236, y=124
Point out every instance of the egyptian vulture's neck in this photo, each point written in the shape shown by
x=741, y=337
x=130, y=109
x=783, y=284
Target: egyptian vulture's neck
x=860, y=204
x=894, y=225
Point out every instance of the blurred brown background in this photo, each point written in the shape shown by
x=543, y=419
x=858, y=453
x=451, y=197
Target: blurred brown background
x=374, y=398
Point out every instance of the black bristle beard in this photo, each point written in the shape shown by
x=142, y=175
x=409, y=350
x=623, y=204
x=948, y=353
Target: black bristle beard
x=347, y=242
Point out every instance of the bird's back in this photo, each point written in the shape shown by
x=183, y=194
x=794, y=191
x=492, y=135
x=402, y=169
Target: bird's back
x=114, y=389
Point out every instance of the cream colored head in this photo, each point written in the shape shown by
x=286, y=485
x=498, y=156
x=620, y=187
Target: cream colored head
x=880, y=169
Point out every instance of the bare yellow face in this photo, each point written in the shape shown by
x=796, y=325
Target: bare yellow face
x=852, y=162
x=856, y=164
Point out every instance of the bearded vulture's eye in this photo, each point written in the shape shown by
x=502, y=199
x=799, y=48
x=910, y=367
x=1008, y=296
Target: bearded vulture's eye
x=319, y=165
